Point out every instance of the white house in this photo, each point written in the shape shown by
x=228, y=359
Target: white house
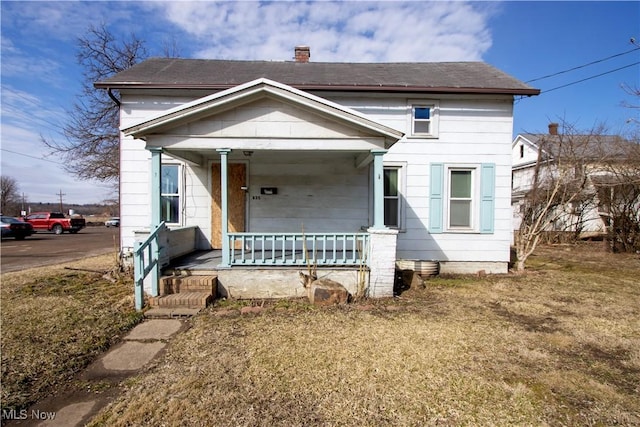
x=581, y=153
x=270, y=166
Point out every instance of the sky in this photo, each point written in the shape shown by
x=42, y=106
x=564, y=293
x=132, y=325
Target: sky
x=41, y=80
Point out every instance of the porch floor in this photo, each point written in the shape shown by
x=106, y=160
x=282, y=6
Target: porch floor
x=198, y=260
x=209, y=260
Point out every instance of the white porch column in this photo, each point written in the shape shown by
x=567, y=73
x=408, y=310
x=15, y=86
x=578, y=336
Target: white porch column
x=156, y=186
x=156, y=215
x=224, y=202
x=378, y=189
x=382, y=262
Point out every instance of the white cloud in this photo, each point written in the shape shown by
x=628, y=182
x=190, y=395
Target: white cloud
x=336, y=31
x=25, y=158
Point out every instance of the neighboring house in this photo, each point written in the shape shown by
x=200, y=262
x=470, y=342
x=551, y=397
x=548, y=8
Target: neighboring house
x=357, y=165
x=586, y=155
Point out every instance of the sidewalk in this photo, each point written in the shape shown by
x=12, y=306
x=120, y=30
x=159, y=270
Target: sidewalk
x=100, y=382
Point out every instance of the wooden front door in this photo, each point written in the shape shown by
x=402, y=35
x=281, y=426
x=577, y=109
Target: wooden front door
x=236, y=179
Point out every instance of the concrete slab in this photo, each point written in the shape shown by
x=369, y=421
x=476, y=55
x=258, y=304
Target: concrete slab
x=71, y=415
x=76, y=404
x=131, y=355
x=155, y=329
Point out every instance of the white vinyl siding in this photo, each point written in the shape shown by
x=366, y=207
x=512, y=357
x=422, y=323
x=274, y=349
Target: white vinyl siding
x=471, y=129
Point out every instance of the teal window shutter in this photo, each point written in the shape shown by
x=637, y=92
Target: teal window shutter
x=436, y=198
x=487, y=197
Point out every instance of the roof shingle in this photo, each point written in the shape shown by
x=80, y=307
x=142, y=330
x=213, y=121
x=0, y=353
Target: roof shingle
x=455, y=77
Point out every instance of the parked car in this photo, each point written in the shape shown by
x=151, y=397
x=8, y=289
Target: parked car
x=13, y=227
x=55, y=221
x=113, y=222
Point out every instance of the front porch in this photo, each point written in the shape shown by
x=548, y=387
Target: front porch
x=269, y=265
x=279, y=180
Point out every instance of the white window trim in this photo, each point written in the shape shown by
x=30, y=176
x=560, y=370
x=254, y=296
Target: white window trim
x=434, y=119
x=401, y=168
x=180, y=192
x=475, y=197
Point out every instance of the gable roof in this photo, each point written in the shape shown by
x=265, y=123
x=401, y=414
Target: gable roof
x=248, y=92
x=584, y=147
x=434, y=77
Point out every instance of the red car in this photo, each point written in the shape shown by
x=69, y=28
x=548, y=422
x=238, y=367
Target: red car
x=13, y=227
x=54, y=221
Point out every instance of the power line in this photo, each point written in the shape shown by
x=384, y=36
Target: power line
x=33, y=157
x=589, y=78
x=584, y=65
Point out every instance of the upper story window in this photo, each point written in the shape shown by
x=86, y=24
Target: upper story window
x=521, y=151
x=170, y=194
x=424, y=119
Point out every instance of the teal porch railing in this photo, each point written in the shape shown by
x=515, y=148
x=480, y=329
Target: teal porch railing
x=283, y=249
x=146, y=259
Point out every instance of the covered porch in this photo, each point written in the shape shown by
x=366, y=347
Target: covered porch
x=312, y=197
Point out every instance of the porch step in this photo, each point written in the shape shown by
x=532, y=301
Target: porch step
x=192, y=299
x=184, y=292
x=179, y=284
x=170, y=313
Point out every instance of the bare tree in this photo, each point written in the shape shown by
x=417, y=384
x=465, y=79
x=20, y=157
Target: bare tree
x=90, y=146
x=617, y=182
x=560, y=190
x=9, y=196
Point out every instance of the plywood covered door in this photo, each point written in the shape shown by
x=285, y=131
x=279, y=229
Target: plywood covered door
x=237, y=179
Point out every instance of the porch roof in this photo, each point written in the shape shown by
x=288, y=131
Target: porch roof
x=249, y=92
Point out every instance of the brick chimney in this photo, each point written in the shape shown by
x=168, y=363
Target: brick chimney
x=303, y=53
x=553, y=128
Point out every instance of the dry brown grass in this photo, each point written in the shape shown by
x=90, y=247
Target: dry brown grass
x=559, y=345
x=55, y=322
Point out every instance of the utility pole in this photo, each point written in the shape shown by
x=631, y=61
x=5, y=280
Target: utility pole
x=61, y=194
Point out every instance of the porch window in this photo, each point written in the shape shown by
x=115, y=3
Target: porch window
x=391, y=198
x=170, y=194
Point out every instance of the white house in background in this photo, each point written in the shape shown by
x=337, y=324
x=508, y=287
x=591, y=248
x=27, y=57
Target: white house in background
x=350, y=166
x=590, y=219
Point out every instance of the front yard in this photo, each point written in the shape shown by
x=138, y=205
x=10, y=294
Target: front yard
x=54, y=322
x=559, y=345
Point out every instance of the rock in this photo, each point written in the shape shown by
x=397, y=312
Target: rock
x=251, y=310
x=325, y=292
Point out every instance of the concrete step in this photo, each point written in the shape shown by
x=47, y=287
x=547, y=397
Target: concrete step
x=191, y=299
x=171, y=313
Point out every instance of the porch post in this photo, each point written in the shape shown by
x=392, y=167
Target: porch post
x=156, y=184
x=156, y=216
x=378, y=189
x=224, y=201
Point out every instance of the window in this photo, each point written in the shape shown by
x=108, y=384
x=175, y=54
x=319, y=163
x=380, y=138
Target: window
x=170, y=194
x=391, y=198
x=462, y=198
x=424, y=119
x=521, y=151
